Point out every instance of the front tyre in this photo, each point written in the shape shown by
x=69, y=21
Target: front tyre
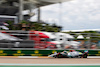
x=85, y=55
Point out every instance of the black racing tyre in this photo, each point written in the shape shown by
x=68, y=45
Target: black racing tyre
x=59, y=55
x=85, y=55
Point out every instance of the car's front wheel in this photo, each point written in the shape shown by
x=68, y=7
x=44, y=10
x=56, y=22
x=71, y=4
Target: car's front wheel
x=85, y=55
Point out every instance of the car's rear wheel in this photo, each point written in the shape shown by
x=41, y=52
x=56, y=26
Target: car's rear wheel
x=59, y=55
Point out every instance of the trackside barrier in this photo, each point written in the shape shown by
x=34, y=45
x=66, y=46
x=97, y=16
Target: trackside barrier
x=40, y=52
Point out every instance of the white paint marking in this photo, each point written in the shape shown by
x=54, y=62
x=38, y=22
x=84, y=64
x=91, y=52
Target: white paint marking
x=28, y=57
x=5, y=64
x=93, y=57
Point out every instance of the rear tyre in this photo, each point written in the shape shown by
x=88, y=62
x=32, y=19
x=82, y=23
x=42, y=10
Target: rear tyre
x=59, y=55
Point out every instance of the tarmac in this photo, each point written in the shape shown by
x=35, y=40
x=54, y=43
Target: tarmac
x=92, y=57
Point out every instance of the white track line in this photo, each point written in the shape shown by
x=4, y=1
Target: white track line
x=28, y=57
x=93, y=57
x=11, y=64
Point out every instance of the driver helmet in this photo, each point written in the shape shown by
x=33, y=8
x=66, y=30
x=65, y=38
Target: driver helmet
x=86, y=51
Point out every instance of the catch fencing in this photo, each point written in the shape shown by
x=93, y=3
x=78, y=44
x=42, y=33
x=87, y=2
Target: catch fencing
x=86, y=41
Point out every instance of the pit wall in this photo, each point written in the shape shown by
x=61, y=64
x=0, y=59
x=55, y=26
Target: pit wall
x=40, y=52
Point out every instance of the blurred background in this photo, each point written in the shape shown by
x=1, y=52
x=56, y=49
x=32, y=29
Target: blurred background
x=17, y=30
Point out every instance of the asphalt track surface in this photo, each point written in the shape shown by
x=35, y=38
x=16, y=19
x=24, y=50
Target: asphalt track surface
x=49, y=62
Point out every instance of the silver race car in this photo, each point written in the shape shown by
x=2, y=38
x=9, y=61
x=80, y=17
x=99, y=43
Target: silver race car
x=70, y=54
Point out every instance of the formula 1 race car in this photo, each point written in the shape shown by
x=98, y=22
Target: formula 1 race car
x=70, y=54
